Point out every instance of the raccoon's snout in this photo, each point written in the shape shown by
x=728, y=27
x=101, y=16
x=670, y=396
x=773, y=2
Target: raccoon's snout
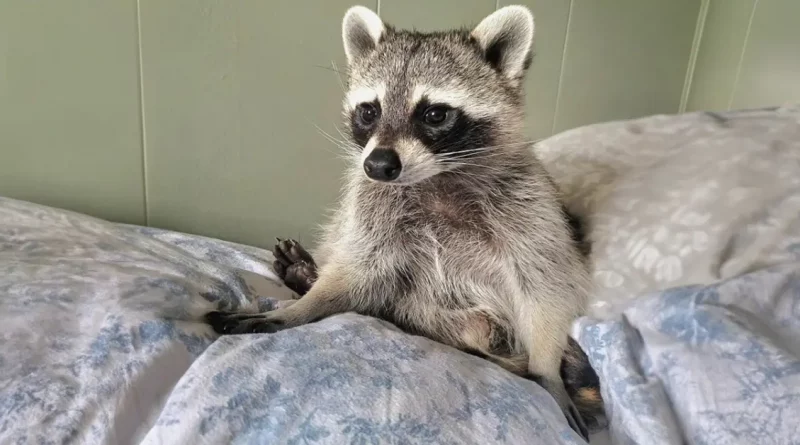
x=383, y=164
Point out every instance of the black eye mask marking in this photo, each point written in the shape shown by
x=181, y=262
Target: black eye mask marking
x=362, y=128
x=457, y=132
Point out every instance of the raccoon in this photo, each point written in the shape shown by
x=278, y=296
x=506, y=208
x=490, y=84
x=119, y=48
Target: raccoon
x=448, y=226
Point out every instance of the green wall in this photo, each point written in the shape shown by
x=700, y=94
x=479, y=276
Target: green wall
x=202, y=116
x=70, y=109
x=748, y=55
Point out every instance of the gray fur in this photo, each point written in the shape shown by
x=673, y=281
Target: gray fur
x=471, y=250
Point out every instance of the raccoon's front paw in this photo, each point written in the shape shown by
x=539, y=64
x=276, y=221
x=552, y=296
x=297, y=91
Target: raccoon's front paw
x=294, y=265
x=574, y=418
x=226, y=323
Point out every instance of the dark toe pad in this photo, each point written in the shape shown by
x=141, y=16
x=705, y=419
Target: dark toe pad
x=294, y=265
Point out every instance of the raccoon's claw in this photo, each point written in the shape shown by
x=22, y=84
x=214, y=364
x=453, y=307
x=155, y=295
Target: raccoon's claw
x=576, y=422
x=225, y=323
x=220, y=322
x=294, y=265
x=574, y=418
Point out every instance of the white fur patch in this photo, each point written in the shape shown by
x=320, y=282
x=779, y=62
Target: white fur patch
x=455, y=98
x=371, y=144
x=362, y=95
x=418, y=163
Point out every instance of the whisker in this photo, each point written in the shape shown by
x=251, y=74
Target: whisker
x=344, y=136
x=464, y=154
x=343, y=142
x=504, y=160
x=468, y=174
x=345, y=146
x=486, y=148
x=471, y=150
x=454, y=165
x=324, y=67
x=339, y=76
x=334, y=69
x=490, y=150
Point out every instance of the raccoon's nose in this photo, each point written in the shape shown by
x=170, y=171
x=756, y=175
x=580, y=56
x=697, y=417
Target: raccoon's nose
x=383, y=164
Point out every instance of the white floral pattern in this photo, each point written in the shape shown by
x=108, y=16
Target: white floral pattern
x=716, y=364
x=101, y=344
x=680, y=200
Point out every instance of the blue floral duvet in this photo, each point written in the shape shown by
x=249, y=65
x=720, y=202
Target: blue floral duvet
x=100, y=344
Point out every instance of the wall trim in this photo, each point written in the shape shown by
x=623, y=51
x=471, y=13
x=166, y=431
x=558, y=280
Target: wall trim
x=696, y=42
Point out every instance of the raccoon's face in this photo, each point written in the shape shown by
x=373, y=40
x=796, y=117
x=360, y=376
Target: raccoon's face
x=421, y=104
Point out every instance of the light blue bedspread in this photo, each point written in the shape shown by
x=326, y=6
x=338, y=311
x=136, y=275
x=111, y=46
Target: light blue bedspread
x=98, y=346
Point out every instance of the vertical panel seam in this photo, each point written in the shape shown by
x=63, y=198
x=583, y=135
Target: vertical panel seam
x=378, y=7
x=741, y=56
x=496, y=4
x=696, y=42
x=142, y=125
x=561, y=70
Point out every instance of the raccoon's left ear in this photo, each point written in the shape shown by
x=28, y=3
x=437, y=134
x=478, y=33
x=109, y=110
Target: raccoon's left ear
x=506, y=37
x=362, y=29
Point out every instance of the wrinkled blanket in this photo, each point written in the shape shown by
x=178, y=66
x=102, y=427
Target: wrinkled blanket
x=100, y=345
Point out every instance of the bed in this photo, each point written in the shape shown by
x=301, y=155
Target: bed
x=694, y=327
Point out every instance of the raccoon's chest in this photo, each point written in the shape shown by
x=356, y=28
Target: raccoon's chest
x=455, y=252
x=456, y=225
x=436, y=238
x=445, y=249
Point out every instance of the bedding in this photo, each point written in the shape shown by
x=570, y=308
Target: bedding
x=100, y=345
x=681, y=200
x=101, y=341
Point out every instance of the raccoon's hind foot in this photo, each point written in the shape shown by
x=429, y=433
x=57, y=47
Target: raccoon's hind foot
x=559, y=393
x=294, y=266
x=582, y=384
x=226, y=323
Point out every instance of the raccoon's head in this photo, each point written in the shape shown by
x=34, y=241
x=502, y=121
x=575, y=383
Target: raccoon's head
x=419, y=104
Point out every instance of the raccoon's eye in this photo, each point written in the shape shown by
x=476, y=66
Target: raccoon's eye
x=435, y=115
x=367, y=113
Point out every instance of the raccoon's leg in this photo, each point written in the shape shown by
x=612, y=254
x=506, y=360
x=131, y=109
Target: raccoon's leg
x=484, y=336
x=492, y=342
x=545, y=335
x=472, y=330
x=294, y=266
x=330, y=295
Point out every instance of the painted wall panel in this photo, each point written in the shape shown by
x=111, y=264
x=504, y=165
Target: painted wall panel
x=770, y=71
x=624, y=59
x=719, y=55
x=69, y=106
x=541, y=85
x=233, y=92
x=427, y=15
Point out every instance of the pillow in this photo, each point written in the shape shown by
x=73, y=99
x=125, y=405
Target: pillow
x=684, y=199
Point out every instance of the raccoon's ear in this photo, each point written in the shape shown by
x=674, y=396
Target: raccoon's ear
x=361, y=31
x=506, y=37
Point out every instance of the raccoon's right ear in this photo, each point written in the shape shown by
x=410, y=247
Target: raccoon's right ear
x=506, y=37
x=362, y=29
